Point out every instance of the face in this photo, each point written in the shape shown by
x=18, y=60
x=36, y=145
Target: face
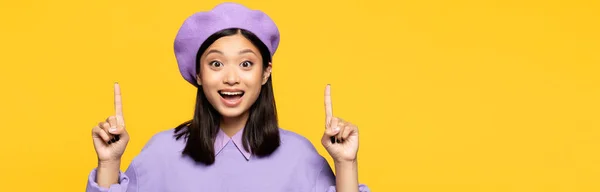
x=231, y=75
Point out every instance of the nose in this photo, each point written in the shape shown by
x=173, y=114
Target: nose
x=231, y=77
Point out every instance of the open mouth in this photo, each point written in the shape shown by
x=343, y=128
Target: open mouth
x=231, y=95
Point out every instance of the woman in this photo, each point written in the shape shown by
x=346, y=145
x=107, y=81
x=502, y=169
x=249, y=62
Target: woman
x=233, y=142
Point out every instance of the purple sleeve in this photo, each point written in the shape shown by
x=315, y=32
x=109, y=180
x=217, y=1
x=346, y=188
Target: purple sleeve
x=127, y=182
x=326, y=181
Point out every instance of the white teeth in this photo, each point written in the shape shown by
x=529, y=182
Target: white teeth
x=231, y=93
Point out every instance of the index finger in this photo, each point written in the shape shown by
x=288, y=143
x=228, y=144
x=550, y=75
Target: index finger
x=328, y=108
x=118, y=104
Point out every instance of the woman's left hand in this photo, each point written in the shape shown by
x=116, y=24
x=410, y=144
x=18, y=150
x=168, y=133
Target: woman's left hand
x=341, y=137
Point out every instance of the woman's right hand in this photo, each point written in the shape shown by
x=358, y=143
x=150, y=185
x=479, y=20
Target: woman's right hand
x=109, y=136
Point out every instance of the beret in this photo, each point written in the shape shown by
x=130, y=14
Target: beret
x=200, y=25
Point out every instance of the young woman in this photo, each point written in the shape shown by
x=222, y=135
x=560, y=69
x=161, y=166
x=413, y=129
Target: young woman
x=233, y=142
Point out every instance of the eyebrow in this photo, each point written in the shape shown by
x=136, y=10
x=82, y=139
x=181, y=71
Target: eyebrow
x=219, y=52
x=214, y=51
x=246, y=51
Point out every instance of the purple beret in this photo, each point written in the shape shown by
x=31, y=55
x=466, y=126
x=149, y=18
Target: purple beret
x=199, y=26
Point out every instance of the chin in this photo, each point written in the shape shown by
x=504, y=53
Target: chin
x=231, y=112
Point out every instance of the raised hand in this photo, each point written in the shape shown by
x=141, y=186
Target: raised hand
x=341, y=137
x=109, y=136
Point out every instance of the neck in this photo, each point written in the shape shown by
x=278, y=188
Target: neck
x=231, y=125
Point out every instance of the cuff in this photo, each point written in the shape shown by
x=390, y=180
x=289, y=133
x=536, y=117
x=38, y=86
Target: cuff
x=92, y=186
x=361, y=188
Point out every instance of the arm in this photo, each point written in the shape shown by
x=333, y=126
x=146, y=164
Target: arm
x=110, y=140
x=124, y=182
x=341, y=142
x=346, y=176
x=346, y=180
x=107, y=173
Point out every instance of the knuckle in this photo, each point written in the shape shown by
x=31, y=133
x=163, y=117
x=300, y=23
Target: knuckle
x=342, y=125
x=96, y=130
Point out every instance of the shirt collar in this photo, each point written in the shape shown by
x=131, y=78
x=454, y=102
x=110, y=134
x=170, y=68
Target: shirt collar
x=222, y=139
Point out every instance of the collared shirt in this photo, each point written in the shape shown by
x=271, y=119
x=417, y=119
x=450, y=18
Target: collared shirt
x=222, y=140
x=160, y=167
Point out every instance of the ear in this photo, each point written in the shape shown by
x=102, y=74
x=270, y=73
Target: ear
x=267, y=73
x=198, y=80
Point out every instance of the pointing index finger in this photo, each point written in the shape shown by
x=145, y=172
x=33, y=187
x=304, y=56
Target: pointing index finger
x=118, y=104
x=328, y=108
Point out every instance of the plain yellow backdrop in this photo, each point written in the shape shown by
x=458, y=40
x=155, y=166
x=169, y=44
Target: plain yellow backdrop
x=449, y=95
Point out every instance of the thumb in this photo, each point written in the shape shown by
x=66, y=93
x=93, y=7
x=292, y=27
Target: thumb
x=118, y=131
x=120, y=126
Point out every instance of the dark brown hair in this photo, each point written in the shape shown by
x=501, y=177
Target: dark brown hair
x=261, y=132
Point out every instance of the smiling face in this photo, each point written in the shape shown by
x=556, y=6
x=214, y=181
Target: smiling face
x=232, y=74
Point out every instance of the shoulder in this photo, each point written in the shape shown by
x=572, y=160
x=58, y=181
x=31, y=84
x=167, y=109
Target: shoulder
x=295, y=140
x=162, y=138
x=155, y=156
x=294, y=144
x=301, y=155
x=159, y=146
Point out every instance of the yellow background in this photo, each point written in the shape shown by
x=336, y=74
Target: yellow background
x=449, y=95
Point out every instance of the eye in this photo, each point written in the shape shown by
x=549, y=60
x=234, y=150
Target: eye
x=215, y=64
x=246, y=64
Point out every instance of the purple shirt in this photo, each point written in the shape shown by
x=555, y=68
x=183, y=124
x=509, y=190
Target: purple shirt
x=294, y=166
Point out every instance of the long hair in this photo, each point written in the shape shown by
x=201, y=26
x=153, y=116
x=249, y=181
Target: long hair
x=261, y=132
